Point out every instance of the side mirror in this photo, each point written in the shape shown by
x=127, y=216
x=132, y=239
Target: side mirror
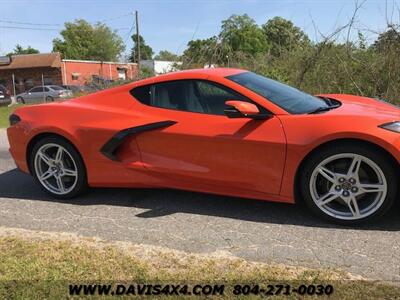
x=242, y=109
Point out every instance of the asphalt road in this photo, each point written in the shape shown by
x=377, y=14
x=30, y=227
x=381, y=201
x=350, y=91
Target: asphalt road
x=202, y=223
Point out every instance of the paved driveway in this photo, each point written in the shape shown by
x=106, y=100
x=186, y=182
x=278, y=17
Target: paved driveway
x=195, y=222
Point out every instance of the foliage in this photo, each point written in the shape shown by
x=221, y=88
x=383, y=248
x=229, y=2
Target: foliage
x=18, y=50
x=5, y=112
x=241, y=33
x=167, y=56
x=200, y=52
x=389, y=38
x=81, y=40
x=287, y=54
x=145, y=72
x=282, y=35
x=146, y=52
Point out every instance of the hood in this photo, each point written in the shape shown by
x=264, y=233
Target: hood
x=364, y=106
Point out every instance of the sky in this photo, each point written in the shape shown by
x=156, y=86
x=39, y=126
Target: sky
x=169, y=25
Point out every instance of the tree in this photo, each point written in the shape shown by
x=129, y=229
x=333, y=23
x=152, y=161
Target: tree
x=166, y=55
x=200, y=52
x=283, y=35
x=146, y=52
x=388, y=39
x=241, y=33
x=81, y=40
x=18, y=50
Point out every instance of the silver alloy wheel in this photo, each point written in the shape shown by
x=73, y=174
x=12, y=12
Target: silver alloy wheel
x=348, y=186
x=56, y=169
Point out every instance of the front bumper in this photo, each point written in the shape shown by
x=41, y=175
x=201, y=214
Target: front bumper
x=17, y=139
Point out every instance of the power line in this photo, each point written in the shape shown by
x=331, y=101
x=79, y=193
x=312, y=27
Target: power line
x=48, y=29
x=116, y=18
x=29, y=28
x=128, y=34
x=57, y=24
x=27, y=23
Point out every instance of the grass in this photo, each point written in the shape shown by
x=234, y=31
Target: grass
x=41, y=267
x=5, y=112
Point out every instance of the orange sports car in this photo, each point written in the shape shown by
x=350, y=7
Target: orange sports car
x=223, y=131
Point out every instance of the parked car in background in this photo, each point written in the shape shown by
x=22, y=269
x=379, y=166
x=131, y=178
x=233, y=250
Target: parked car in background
x=48, y=93
x=5, y=91
x=4, y=99
x=4, y=95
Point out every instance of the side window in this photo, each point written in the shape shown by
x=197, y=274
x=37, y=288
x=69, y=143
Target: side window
x=46, y=89
x=143, y=94
x=178, y=95
x=36, y=90
x=214, y=96
x=187, y=95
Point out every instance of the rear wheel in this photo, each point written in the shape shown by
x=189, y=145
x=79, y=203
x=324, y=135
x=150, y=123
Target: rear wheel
x=349, y=184
x=20, y=100
x=58, y=168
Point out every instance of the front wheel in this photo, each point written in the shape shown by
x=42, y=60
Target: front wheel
x=58, y=168
x=349, y=184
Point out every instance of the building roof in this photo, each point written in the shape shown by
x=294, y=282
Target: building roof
x=25, y=61
x=98, y=62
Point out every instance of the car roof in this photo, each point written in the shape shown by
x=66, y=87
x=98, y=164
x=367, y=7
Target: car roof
x=223, y=72
x=39, y=86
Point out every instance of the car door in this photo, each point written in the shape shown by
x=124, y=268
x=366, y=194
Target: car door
x=203, y=147
x=35, y=94
x=47, y=92
x=29, y=95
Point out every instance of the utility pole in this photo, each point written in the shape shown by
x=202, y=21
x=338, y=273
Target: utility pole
x=137, y=41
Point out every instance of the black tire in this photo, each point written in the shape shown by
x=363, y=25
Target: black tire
x=81, y=184
x=377, y=156
x=20, y=100
x=49, y=99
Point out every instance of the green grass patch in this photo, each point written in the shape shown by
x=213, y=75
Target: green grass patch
x=5, y=112
x=43, y=268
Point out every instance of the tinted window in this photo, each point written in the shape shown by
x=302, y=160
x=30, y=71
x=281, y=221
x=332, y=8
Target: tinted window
x=214, y=96
x=36, y=90
x=187, y=95
x=46, y=89
x=290, y=99
x=178, y=95
x=142, y=93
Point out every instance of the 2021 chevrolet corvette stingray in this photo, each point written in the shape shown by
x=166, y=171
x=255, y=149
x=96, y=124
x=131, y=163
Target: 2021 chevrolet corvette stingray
x=223, y=131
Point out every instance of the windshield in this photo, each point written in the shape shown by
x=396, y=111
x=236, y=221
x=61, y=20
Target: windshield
x=290, y=99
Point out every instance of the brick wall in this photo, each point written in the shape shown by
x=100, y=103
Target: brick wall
x=27, y=78
x=81, y=72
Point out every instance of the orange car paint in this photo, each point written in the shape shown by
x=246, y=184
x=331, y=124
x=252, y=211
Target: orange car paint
x=208, y=153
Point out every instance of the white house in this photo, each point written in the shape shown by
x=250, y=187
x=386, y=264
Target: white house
x=160, y=66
